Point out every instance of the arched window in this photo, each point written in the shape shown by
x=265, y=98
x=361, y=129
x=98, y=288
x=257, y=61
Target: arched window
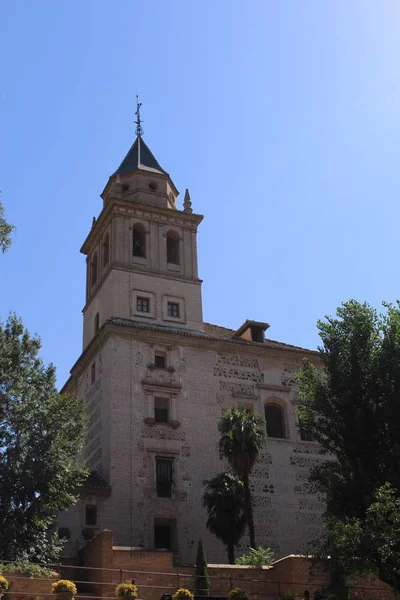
x=275, y=421
x=96, y=322
x=139, y=241
x=173, y=248
x=93, y=270
x=106, y=250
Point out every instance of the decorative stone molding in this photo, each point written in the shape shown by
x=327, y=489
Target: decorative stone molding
x=239, y=374
x=169, y=388
x=239, y=389
x=273, y=388
x=238, y=360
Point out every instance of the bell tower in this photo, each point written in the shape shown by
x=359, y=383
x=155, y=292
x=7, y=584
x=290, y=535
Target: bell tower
x=141, y=252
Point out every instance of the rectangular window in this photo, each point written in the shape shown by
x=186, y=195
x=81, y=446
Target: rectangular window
x=162, y=537
x=93, y=373
x=142, y=304
x=164, y=477
x=160, y=360
x=91, y=515
x=161, y=410
x=165, y=534
x=173, y=309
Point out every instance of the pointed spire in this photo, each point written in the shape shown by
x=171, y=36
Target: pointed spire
x=187, y=203
x=139, y=157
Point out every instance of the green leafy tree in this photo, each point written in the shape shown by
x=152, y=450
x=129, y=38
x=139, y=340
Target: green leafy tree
x=242, y=438
x=256, y=557
x=5, y=231
x=202, y=580
x=224, y=501
x=353, y=411
x=41, y=434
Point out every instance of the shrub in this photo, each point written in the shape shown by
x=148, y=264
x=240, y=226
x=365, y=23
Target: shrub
x=63, y=585
x=288, y=596
x=202, y=581
x=27, y=568
x=3, y=584
x=126, y=589
x=238, y=594
x=257, y=557
x=183, y=594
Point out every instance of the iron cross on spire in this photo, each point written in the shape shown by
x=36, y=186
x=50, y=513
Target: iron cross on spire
x=139, y=128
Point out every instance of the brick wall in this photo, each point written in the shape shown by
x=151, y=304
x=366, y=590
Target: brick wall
x=23, y=587
x=154, y=574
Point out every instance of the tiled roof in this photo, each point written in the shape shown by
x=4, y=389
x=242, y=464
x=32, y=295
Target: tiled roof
x=249, y=323
x=143, y=160
x=212, y=332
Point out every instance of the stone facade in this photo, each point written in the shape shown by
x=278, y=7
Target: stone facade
x=157, y=379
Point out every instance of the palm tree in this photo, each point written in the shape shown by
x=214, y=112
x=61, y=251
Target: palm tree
x=224, y=501
x=242, y=437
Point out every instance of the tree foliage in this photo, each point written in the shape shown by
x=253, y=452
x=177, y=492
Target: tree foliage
x=256, y=557
x=5, y=231
x=41, y=433
x=353, y=411
x=224, y=501
x=242, y=438
x=202, y=580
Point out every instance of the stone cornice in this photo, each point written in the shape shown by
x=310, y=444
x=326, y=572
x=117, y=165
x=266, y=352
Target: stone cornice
x=180, y=339
x=122, y=207
x=137, y=269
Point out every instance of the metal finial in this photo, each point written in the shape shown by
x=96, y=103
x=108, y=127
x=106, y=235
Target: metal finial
x=139, y=128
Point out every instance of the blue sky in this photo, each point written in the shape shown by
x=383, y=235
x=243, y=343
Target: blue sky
x=281, y=117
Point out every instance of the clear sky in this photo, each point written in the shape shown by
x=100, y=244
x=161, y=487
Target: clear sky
x=282, y=117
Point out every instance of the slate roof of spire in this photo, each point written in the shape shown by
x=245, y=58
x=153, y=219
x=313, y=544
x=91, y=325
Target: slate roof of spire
x=148, y=162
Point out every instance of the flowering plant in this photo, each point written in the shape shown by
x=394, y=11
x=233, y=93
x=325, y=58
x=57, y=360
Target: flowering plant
x=126, y=589
x=63, y=585
x=183, y=594
x=238, y=594
x=3, y=584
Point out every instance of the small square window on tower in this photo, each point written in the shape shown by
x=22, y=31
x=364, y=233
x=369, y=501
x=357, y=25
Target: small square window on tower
x=161, y=410
x=160, y=360
x=173, y=310
x=142, y=304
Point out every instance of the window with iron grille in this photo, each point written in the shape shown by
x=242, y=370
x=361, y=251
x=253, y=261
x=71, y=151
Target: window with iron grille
x=142, y=304
x=173, y=309
x=275, y=421
x=161, y=410
x=164, y=476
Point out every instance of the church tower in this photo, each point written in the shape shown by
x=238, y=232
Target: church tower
x=156, y=380
x=142, y=251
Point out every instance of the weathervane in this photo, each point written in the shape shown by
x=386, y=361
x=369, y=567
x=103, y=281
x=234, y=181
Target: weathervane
x=139, y=129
